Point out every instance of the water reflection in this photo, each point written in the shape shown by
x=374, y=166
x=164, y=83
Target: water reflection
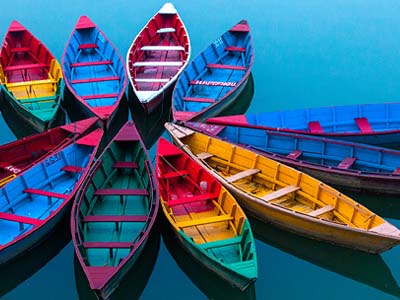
x=133, y=284
x=17, y=271
x=365, y=268
x=213, y=286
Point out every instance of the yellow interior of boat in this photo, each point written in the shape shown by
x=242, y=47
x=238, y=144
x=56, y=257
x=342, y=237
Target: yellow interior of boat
x=278, y=184
x=223, y=222
x=35, y=88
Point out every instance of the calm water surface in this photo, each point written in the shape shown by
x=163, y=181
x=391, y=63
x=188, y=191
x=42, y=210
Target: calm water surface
x=307, y=53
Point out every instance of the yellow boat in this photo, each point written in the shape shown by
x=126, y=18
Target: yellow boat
x=295, y=201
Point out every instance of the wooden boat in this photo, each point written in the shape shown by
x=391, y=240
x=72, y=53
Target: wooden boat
x=343, y=164
x=20, y=155
x=375, y=124
x=216, y=78
x=38, y=199
x=115, y=211
x=205, y=217
x=94, y=73
x=31, y=80
x=156, y=57
x=295, y=201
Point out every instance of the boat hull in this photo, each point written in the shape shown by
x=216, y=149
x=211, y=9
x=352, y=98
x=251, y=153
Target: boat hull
x=18, y=116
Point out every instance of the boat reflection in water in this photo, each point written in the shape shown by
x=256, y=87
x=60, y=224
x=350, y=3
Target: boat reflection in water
x=24, y=266
x=369, y=269
x=133, y=284
x=213, y=286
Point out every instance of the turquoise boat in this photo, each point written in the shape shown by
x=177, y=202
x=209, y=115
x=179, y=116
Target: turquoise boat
x=114, y=212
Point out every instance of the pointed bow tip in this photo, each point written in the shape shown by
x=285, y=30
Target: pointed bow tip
x=16, y=26
x=242, y=26
x=168, y=8
x=84, y=22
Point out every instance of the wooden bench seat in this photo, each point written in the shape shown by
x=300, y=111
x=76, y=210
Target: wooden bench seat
x=346, y=163
x=157, y=64
x=363, y=125
x=198, y=99
x=88, y=46
x=228, y=67
x=121, y=192
x=100, y=96
x=281, y=192
x=294, y=154
x=321, y=211
x=91, y=63
x=97, y=79
x=166, y=30
x=242, y=175
x=204, y=221
x=125, y=165
x=46, y=193
x=106, y=245
x=109, y=218
x=180, y=173
x=152, y=80
x=204, y=155
x=315, y=127
x=20, y=219
x=73, y=169
x=221, y=243
x=162, y=48
x=194, y=198
x=23, y=67
x=20, y=49
x=235, y=49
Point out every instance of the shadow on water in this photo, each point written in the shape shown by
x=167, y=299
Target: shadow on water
x=23, y=267
x=135, y=281
x=151, y=127
x=365, y=268
x=214, y=287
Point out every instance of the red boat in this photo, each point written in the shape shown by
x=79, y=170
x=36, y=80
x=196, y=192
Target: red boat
x=19, y=155
x=156, y=57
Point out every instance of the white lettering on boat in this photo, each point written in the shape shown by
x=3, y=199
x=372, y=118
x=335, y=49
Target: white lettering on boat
x=12, y=169
x=218, y=42
x=214, y=83
x=52, y=159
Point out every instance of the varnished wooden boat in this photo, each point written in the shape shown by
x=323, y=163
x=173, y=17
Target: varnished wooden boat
x=39, y=198
x=31, y=80
x=156, y=58
x=216, y=78
x=115, y=211
x=94, y=73
x=205, y=217
x=343, y=164
x=20, y=155
x=276, y=193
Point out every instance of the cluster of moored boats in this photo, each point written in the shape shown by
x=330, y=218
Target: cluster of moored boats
x=285, y=168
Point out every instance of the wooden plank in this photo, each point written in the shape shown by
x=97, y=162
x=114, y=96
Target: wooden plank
x=204, y=221
x=91, y=63
x=125, y=165
x=198, y=99
x=281, y=192
x=346, y=163
x=88, y=46
x=152, y=80
x=162, y=48
x=294, y=154
x=194, y=198
x=114, y=218
x=99, y=96
x=108, y=244
x=157, y=64
x=20, y=219
x=242, y=175
x=236, y=49
x=46, y=193
x=121, y=192
x=97, y=79
x=321, y=210
x=204, y=155
x=315, y=127
x=363, y=125
x=26, y=66
x=227, y=67
x=73, y=169
x=166, y=30
x=221, y=243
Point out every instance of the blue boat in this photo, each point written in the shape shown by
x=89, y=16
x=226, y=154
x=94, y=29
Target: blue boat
x=38, y=199
x=216, y=78
x=94, y=74
x=375, y=124
x=352, y=166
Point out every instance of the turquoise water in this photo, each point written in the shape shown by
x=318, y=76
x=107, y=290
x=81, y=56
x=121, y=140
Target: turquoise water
x=307, y=53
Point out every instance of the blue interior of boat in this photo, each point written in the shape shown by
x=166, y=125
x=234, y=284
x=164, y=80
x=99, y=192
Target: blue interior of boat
x=28, y=195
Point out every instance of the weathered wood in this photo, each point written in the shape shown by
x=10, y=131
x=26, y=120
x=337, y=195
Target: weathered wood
x=281, y=192
x=242, y=175
x=321, y=211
